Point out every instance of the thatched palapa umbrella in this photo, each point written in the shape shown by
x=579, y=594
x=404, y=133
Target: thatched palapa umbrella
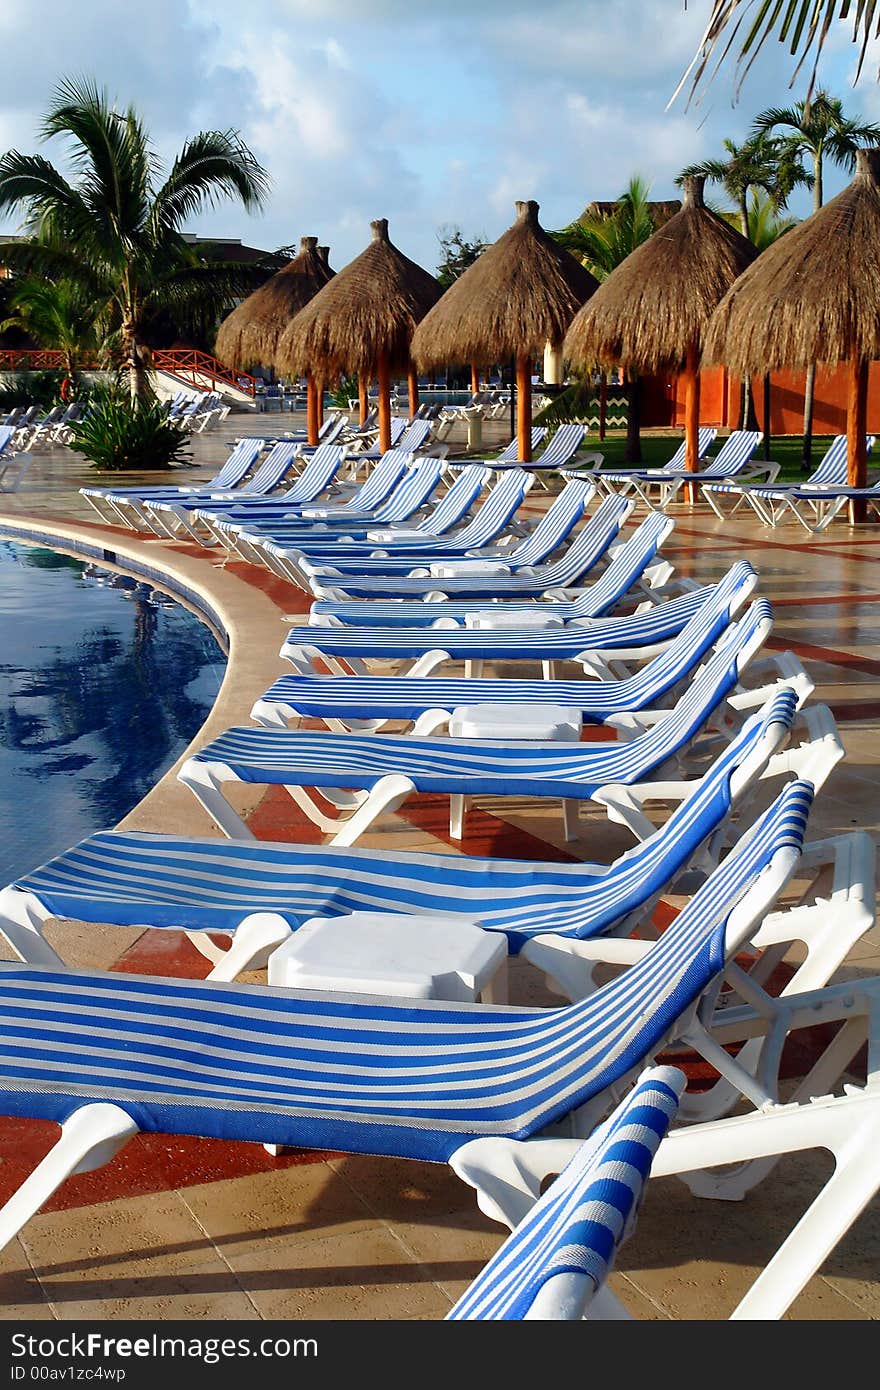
x=814, y=296
x=652, y=311
x=520, y=294
x=363, y=321
x=250, y=334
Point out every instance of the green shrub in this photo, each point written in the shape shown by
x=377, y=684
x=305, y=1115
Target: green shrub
x=31, y=388
x=117, y=437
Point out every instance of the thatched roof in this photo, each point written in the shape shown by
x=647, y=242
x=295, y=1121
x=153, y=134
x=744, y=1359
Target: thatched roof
x=521, y=293
x=814, y=295
x=249, y=335
x=659, y=212
x=658, y=302
x=371, y=306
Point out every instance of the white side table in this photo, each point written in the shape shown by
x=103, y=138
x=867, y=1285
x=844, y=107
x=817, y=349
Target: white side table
x=541, y=723
x=390, y=953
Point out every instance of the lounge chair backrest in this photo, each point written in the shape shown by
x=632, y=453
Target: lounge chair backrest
x=424, y=1076
x=414, y=435
x=320, y=470
x=458, y=501
x=735, y=452
x=510, y=452
x=832, y=469
x=6, y=433
x=331, y=429
x=385, y=474
x=240, y=461
x=563, y=1250
x=564, y=512
x=563, y=446
x=704, y=441
x=273, y=468
x=678, y=660
x=497, y=510
x=590, y=543
x=627, y=566
x=412, y=491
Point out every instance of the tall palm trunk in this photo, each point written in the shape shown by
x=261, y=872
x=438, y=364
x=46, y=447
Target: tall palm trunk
x=810, y=381
x=137, y=371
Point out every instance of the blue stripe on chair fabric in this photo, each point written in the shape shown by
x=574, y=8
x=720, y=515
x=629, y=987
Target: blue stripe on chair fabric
x=407, y=697
x=579, y=1223
x=384, y=1076
x=550, y=644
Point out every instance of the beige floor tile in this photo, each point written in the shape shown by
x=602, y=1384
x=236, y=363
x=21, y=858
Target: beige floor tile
x=245, y=1214
x=145, y=1257
x=22, y=1298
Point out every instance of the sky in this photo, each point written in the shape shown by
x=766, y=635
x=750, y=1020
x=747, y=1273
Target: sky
x=432, y=116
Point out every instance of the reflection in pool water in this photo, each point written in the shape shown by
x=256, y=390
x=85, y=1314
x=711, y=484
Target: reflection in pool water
x=103, y=683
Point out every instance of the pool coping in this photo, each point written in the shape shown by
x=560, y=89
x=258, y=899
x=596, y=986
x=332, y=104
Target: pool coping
x=241, y=615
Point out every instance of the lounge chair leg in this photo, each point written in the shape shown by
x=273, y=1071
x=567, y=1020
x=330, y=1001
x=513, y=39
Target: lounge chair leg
x=90, y=1137
x=458, y=809
x=388, y=793
x=570, y=818
x=21, y=925
x=255, y=938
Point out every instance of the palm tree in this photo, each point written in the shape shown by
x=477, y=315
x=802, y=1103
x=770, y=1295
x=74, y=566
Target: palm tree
x=763, y=221
x=817, y=131
x=601, y=243
x=115, y=228
x=773, y=167
x=57, y=314
x=804, y=25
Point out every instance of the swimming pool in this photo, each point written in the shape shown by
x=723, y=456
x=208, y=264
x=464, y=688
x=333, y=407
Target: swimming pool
x=103, y=682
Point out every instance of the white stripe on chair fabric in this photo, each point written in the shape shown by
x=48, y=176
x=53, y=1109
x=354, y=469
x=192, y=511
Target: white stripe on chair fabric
x=579, y=1223
x=831, y=471
x=131, y=878
x=406, y=1078
x=550, y=644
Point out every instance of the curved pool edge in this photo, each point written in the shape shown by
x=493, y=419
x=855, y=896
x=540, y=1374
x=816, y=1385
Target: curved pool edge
x=240, y=613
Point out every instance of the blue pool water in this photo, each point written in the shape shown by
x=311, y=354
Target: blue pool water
x=103, y=682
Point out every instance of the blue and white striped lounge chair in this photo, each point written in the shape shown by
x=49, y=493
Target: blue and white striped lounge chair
x=559, y=453
x=13, y=465
x=560, y=1255
x=555, y=525
x=364, y=502
x=494, y=515
x=361, y=444
x=111, y=504
x=367, y=702
x=170, y=516
x=628, y=480
x=643, y=632
x=805, y=501
x=241, y=886
x=446, y=514
x=509, y=454
x=316, y=478
x=557, y=579
x=385, y=769
x=734, y=459
x=509, y=1177
x=107, y=1055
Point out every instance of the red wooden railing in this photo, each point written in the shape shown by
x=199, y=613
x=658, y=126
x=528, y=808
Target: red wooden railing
x=196, y=368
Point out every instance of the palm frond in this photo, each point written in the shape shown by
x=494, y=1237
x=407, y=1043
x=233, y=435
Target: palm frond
x=213, y=165
x=743, y=27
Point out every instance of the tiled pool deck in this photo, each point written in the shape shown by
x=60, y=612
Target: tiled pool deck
x=185, y=1229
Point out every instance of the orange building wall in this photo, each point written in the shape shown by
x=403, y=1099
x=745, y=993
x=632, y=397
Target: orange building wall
x=663, y=400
